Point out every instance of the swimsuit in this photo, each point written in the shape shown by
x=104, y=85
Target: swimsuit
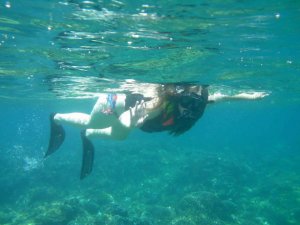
x=110, y=104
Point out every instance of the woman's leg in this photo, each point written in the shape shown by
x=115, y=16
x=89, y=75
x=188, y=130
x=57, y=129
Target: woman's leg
x=57, y=135
x=97, y=118
x=77, y=119
x=106, y=111
x=57, y=132
x=114, y=132
x=104, y=114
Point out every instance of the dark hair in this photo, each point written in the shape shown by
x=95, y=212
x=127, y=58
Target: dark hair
x=182, y=106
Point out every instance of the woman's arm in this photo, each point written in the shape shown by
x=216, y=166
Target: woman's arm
x=135, y=116
x=218, y=96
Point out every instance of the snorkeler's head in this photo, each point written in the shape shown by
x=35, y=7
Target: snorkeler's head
x=189, y=101
x=182, y=105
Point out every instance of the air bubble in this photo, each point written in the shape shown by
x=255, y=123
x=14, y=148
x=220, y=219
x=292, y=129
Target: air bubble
x=7, y=5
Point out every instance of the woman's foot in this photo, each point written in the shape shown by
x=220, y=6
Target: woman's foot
x=87, y=156
x=57, y=136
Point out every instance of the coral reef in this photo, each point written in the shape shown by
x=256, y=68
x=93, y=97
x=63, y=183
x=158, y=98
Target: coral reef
x=164, y=188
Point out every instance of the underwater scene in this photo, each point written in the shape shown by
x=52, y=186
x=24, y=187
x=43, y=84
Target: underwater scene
x=239, y=164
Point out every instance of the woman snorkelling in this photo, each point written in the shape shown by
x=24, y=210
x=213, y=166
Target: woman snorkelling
x=173, y=107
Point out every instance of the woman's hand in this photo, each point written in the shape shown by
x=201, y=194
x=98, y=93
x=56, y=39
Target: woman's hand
x=134, y=116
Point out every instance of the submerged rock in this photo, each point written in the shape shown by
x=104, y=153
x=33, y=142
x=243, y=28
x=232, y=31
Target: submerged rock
x=202, y=205
x=5, y=217
x=160, y=213
x=296, y=214
x=183, y=221
x=119, y=220
x=103, y=198
x=117, y=210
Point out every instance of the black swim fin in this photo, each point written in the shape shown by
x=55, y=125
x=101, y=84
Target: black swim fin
x=87, y=157
x=57, y=136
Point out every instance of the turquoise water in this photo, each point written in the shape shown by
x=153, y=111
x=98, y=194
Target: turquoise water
x=239, y=164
